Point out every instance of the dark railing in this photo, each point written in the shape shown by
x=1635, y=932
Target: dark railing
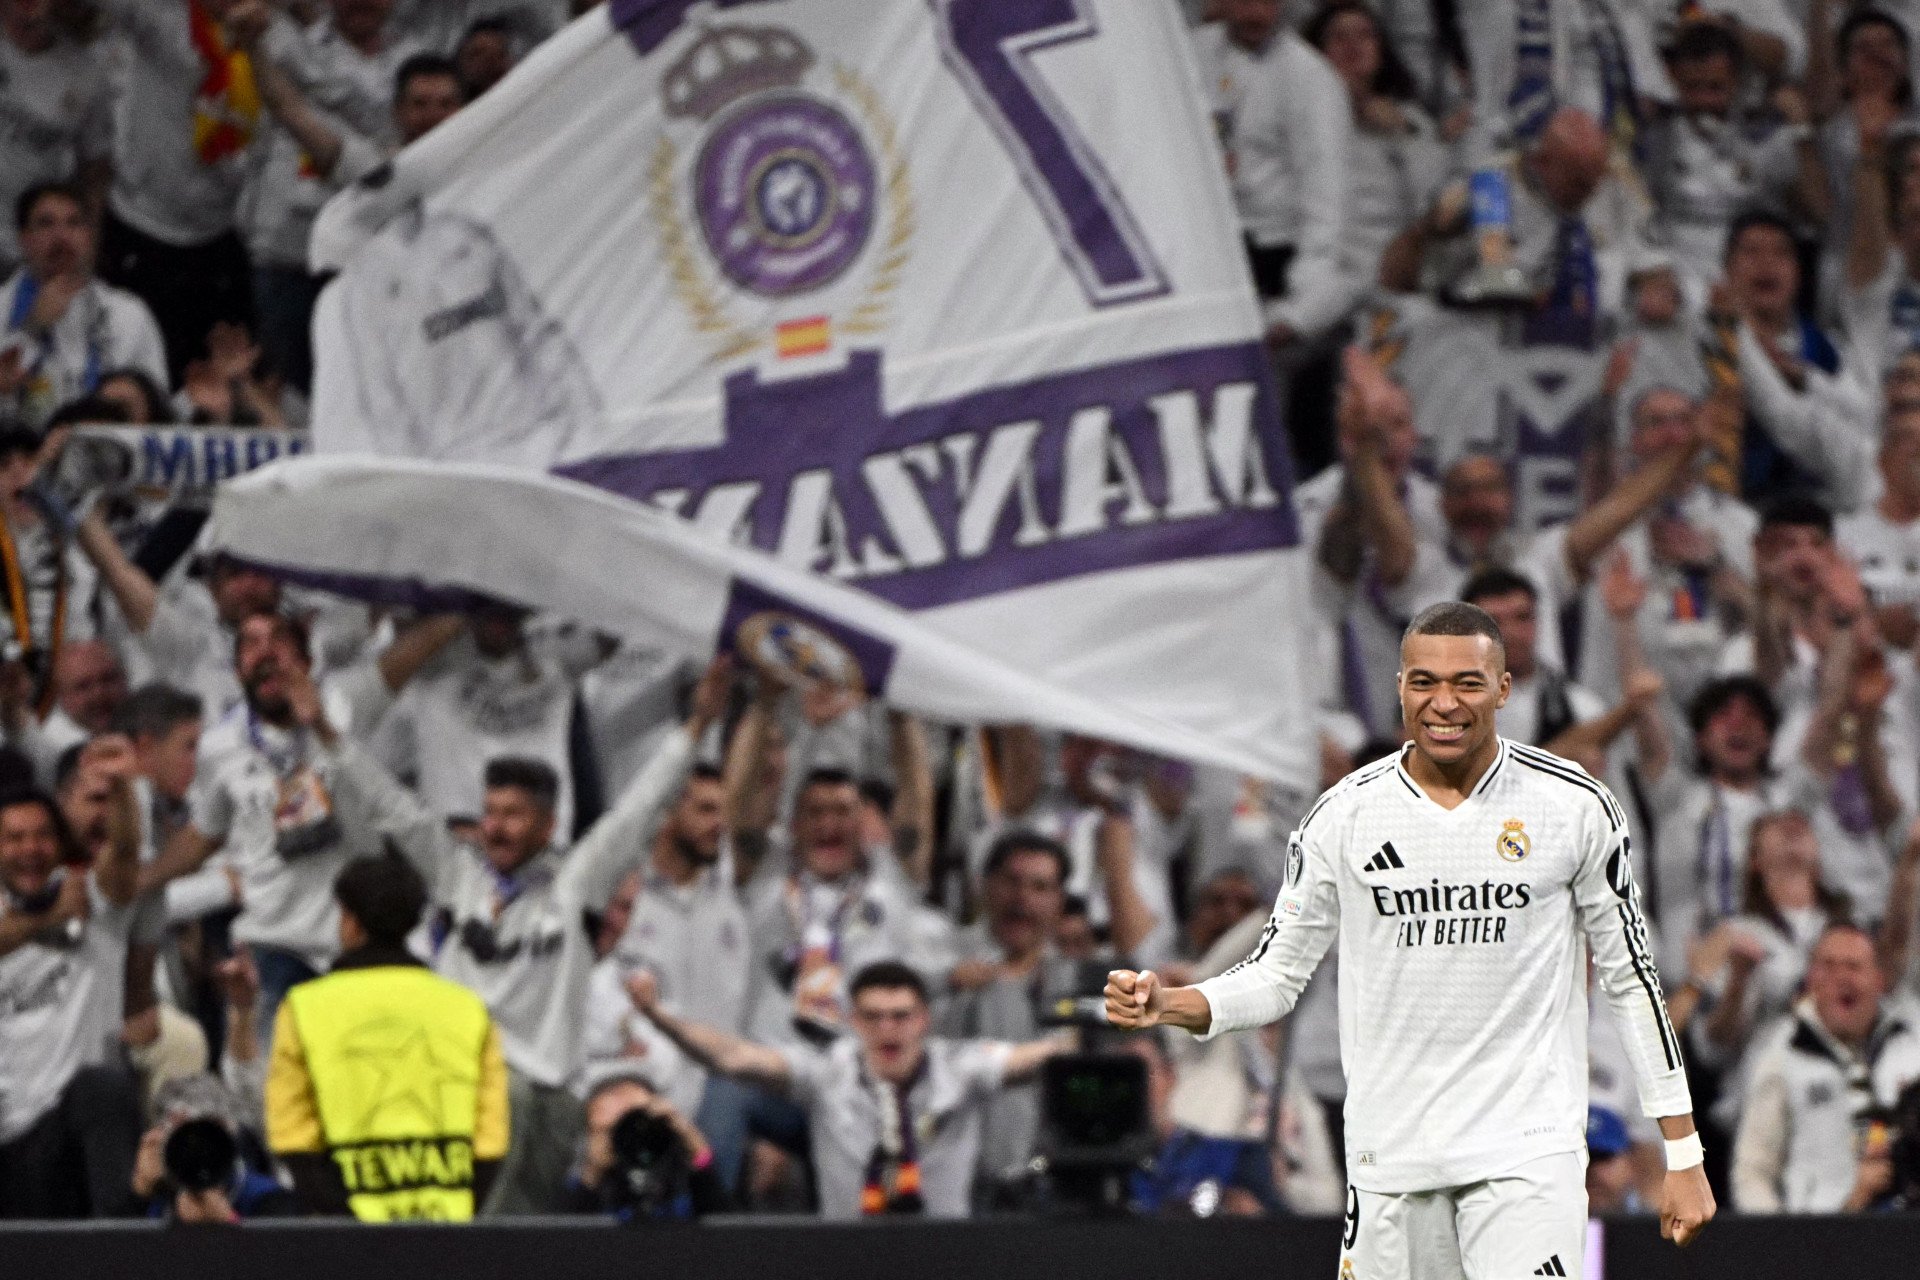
x=1012, y=1249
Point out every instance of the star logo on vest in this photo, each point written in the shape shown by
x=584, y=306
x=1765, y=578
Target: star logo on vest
x=404, y=1081
x=1512, y=842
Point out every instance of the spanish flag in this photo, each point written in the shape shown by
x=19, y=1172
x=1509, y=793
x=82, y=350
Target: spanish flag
x=226, y=108
x=807, y=337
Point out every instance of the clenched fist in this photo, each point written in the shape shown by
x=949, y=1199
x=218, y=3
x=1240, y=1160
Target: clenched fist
x=1134, y=1000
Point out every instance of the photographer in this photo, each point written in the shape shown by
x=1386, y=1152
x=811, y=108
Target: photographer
x=1809, y=1140
x=191, y=1167
x=643, y=1160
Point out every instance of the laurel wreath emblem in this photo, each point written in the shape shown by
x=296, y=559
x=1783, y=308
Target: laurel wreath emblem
x=706, y=300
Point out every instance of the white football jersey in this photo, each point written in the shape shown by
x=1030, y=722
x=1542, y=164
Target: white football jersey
x=1463, y=1011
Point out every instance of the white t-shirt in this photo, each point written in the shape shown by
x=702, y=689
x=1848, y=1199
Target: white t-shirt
x=1463, y=1011
x=255, y=790
x=1288, y=126
x=1888, y=554
x=104, y=329
x=465, y=709
x=55, y=114
x=849, y=1110
x=1694, y=876
x=1882, y=321
x=60, y=1010
x=1521, y=718
x=161, y=185
x=354, y=92
x=1366, y=620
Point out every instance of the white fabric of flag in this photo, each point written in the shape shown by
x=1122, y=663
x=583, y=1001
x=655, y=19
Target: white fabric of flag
x=943, y=301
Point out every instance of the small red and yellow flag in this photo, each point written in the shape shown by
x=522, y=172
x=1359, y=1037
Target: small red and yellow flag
x=807, y=337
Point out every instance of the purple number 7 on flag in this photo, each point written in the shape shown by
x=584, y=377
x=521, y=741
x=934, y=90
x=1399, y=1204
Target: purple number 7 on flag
x=989, y=45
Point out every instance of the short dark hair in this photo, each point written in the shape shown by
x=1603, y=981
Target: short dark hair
x=1456, y=618
x=1798, y=510
x=1392, y=79
x=879, y=793
x=423, y=65
x=384, y=895
x=523, y=773
x=16, y=440
x=152, y=710
x=1699, y=41
x=71, y=850
x=826, y=776
x=89, y=408
x=1717, y=695
x=1015, y=843
x=704, y=772
x=1748, y=219
x=888, y=975
x=30, y=199
x=1489, y=583
x=158, y=407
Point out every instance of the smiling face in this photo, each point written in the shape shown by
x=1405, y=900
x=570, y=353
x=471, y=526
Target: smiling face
x=29, y=848
x=1450, y=687
x=1844, y=980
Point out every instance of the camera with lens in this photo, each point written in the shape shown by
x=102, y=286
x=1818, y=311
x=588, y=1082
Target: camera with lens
x=201, y=1155
x=650, y=1168
x=1096, y=1128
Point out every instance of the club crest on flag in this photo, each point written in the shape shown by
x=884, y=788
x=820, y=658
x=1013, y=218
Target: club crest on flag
x=795, y=184
x=1512, y=843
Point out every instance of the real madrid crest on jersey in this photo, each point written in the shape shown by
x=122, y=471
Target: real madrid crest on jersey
x=1512, y=842
x=794, y=181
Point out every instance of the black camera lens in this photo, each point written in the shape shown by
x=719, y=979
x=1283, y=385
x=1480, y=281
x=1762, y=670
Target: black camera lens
x=200, y=1155
x=642, y=1141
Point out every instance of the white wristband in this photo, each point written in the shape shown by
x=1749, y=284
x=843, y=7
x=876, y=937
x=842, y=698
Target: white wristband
x=1685, y=1153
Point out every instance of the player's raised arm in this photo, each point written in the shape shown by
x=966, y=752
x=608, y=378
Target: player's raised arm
x=1265, y=985
x=1609, y=907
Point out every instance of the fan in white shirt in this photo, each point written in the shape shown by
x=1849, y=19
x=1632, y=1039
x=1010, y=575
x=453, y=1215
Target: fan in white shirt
x=1460, y=877
x=1884, y=538
x=56, y=110
x=64, y=328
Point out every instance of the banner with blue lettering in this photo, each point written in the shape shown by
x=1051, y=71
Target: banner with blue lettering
x=171, y=466
x=941, y=300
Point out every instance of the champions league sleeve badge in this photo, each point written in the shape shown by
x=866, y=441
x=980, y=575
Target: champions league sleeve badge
x=795, y=186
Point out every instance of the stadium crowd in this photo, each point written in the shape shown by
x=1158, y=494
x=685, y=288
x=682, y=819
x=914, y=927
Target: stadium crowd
x=1602, y=314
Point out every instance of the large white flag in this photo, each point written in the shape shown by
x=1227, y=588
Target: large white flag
x=942, y=299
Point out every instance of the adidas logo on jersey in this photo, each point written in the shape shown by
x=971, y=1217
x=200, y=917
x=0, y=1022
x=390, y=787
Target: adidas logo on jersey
x=1551, y=1267
x=1386, y=860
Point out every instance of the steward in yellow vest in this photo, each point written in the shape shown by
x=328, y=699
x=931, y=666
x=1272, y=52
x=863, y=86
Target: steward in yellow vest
x=386, y=1092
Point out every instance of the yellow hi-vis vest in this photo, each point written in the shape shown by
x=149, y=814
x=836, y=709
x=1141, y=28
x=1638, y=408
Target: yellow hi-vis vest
x=394, y=1055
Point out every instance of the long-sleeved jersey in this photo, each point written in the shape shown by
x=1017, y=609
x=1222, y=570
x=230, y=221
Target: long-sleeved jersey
x=1462, y=988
